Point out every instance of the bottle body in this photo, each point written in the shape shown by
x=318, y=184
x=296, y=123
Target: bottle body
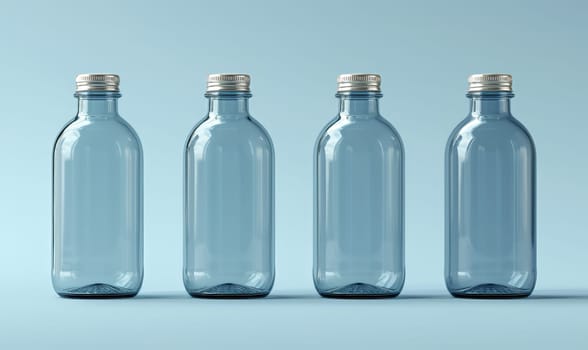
x=97, y=205
x=229, y=203
x=359, y=203
x=490, y=203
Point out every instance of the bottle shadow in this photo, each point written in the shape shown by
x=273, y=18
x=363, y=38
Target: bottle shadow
x=540, y=295
x=186, y=296
x=572, y=296
x=163, y=296
x=280, y=296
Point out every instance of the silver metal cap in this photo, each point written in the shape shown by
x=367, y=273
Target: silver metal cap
x=228, y=82
x=97, y=82
x=490, y=82
x=358, y=82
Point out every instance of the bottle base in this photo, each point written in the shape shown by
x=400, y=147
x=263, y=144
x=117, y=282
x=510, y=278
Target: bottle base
x=491, y=291
x=229, y=291
x=98, y=291
x=359, y=291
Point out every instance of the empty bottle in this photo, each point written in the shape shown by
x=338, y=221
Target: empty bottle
x=490, y=197
x=359, y=197
x=229, y=197
x=97, y=197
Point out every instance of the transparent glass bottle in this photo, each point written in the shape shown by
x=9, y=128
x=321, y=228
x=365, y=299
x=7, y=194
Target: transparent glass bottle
x=359, y=197
x=490, y=197
x=228, y=197
x=97, y=197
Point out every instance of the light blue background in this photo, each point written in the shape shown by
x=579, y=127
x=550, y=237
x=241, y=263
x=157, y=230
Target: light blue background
x=294, y=50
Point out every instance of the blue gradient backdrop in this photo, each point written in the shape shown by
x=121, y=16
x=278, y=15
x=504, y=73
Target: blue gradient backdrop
x=294, y=50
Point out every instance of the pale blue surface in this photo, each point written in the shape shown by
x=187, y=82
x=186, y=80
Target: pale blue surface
x=294, y=51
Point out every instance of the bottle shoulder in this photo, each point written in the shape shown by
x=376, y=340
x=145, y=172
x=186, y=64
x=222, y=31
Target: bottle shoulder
x=490, y=131
x=374, y=130
x=111, y=130
x=237, y=131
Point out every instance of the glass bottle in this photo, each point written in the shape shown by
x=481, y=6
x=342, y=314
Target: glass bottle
x=97, y=197
x=228, y=197
x=490, y=197
x=359, y=197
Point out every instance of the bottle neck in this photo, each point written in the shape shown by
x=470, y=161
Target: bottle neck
x=228, y=105
x=359, y=104
x=97, y=104
x=490, y=105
